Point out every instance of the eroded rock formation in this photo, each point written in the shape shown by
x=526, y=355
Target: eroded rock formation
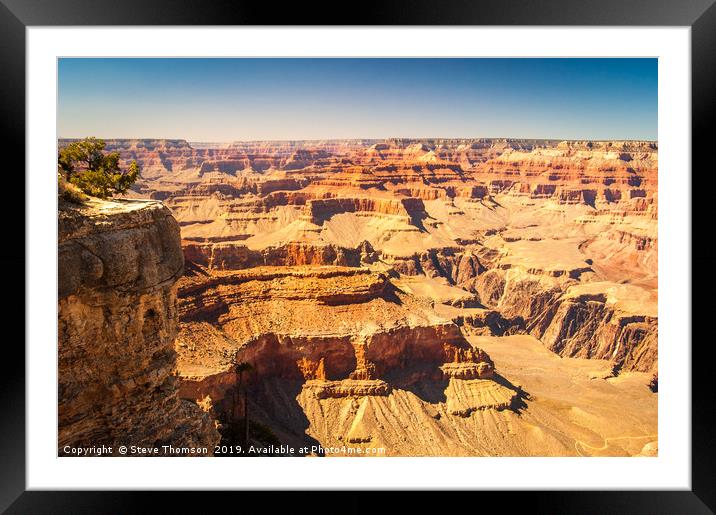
x=118, y=267
x=359, y=276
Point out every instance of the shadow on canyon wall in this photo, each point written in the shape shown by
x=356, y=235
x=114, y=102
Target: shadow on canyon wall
x=274, y=404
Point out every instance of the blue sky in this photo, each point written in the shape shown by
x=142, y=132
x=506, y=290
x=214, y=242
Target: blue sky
x=249, y=99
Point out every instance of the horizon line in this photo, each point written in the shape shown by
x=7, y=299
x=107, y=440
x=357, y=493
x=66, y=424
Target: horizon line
x=598, y=140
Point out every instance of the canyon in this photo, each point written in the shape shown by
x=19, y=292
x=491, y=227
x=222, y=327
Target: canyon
x=431, y=297
x=118, y=263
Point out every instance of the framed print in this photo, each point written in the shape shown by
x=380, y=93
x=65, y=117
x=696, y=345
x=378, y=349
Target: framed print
x=419, y=253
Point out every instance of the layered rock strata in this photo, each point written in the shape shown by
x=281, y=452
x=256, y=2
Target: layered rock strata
x=343, y=270
x=117, y=321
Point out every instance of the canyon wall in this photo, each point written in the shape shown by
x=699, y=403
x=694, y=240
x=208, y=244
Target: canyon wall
x=360, y=278
x=481, y=213
x=117, y=321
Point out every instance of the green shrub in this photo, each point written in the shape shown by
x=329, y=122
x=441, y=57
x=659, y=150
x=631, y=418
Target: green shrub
x=85, y=165
x=69, y=192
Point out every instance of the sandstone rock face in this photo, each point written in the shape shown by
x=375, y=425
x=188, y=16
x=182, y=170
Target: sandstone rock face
x=465, y=397
x=347, y=388
x=118, y=267
x=359, y=277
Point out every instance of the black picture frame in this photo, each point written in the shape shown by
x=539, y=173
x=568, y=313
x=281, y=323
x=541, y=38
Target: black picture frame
x=700, y=15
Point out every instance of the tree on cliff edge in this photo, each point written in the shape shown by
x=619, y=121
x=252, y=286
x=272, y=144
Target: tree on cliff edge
x=84, y=164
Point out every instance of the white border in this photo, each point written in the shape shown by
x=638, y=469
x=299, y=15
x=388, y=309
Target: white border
x=671, y=470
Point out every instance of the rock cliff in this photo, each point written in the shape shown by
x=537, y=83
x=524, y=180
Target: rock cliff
x=117, y=321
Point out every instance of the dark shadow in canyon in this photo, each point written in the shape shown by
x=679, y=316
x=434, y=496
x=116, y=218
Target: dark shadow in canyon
x=416, y=220
x=390, y=294
x=191, y=269
x=518, y=402
x=590, y=198
x=273, y=404
x=421, y=380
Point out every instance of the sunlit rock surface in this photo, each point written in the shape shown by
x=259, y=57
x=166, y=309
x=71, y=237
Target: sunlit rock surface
x=433, y=297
